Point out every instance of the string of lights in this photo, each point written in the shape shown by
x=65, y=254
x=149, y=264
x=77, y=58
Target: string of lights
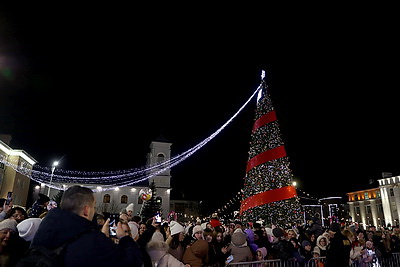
x=227, y=210
x=111, y=179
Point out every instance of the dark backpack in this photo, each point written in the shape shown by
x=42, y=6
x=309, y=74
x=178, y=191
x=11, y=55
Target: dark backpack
x=39, y=256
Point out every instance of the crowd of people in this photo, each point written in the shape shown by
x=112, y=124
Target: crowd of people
x=208, y=243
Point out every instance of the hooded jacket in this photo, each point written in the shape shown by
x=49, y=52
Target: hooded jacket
x=196, y=254
x=323, y=249
x=90, y=248
x=158, y=252
x=239, y=249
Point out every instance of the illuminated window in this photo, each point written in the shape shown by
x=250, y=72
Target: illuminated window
x=366, y=195
x=106, y=198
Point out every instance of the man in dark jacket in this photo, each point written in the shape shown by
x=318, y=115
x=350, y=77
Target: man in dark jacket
x=338, y=252
x=88, y=246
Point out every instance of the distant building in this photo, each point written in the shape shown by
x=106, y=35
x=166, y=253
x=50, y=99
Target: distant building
x=186, y=210
x=378, y=206
x=327, y=209
x=365, y=207
x=15, y=168
x=113, y=201
x=390, y=194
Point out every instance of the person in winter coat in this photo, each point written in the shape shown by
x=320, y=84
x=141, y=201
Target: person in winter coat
x=369, y=255
x=281, y=248
x=212, y=260
x=316, y=257
x=306, y=250
x=239, y=249
x=251, y=241
x=338, y=254
x=39, y=206
x=196, y=254
x=27, y=230
x=175, y=237
x=87, y=245
x=261, y=254
x=157, y=249
x=11, y=244
x=322, y=244
x=315, y=226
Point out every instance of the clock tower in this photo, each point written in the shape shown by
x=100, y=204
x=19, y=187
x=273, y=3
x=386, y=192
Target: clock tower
x=160, y=150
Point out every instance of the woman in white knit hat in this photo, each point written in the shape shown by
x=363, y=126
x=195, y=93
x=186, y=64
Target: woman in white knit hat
x=175, y=237
x=11, y=246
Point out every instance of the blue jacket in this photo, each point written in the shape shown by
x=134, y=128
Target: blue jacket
x=91, y=248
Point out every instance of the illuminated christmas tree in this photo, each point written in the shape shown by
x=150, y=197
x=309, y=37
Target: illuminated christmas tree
x=151, y=206
x=268, y=193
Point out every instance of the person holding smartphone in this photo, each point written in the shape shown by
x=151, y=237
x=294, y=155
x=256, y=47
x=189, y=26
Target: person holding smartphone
x=4, y=208
x=87, y=246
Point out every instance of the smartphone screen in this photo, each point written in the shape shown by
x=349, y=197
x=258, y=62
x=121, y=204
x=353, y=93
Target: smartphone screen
x=9, y=198
x=113, y=227
x=158, y=217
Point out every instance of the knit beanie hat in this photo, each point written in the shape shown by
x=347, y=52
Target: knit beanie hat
x=129, y=207
x=305, y=243
x=8, y=224
x=317, y=250
x=196, y=229
x=239, y=238
x=28, y=227
x=175, y=227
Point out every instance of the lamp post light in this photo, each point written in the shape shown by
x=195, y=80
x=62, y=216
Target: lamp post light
x=55, y=163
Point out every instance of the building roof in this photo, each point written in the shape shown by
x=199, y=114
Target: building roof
x=162, y=139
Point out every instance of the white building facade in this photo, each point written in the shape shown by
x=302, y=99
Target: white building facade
x=113, y=201
x=390, y=193
x=378, y=206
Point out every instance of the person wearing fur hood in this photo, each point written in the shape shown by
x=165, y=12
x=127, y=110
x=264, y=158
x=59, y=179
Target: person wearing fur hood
x=157, y=249
x=322, y=244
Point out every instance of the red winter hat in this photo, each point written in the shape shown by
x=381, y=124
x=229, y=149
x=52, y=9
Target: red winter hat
x=215, y=222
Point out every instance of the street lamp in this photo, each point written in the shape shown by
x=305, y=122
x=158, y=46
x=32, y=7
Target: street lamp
x=55, y=163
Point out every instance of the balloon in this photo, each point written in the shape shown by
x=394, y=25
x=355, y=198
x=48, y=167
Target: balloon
x=145, y=194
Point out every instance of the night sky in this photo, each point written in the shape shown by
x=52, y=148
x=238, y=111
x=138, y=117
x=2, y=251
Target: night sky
x=95, y=85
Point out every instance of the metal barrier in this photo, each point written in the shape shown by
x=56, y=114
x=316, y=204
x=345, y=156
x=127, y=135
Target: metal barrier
x=314, y=262
x=392, y=261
